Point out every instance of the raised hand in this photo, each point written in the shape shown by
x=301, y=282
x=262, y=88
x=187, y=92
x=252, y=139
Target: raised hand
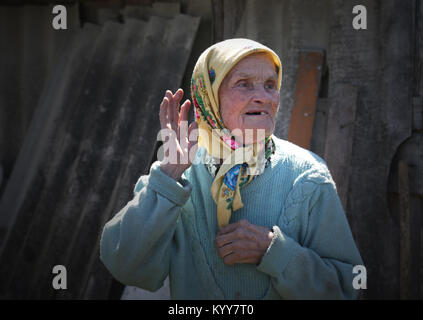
x=175, y=134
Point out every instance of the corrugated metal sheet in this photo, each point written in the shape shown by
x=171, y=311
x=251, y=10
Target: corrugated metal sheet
x=93, y=135
x=29, y=48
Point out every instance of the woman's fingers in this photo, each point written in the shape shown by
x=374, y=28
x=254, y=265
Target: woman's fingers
x=174, y=100
x=178, y=95
x=170, y=107
x=172, y=118
x=183, y=115
x=248, y=241
x=164, y=113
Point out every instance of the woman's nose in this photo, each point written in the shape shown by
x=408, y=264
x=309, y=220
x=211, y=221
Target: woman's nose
x=260, y=95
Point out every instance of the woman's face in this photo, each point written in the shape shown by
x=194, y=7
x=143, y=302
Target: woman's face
x=249, y=98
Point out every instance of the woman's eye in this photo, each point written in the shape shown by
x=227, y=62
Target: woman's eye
x=270, y=85
x=242, y=83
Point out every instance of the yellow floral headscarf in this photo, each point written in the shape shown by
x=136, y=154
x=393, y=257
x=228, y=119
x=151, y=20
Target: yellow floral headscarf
x=239, y=162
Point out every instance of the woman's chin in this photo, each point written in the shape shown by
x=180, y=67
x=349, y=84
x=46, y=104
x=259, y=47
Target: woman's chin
x=253, y=135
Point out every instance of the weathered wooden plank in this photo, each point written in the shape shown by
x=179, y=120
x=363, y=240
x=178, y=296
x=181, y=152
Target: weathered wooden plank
x=405, y=236
x=227, y=17
x=418, y=67
x=410, y=151
x=306, y=92
x=416, y=232
x=410, y=154
x=418, y=113
x=318, y=138
x=218, y=20
x=340, y=135
x=233, y=12
x=367, y=59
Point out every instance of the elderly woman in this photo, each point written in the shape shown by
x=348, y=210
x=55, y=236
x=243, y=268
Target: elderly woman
x=253, y=217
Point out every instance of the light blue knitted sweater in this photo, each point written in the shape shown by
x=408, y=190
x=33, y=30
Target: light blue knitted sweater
x=169, y=228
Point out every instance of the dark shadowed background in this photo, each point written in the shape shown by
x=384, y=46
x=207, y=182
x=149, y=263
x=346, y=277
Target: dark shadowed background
x=79, y=123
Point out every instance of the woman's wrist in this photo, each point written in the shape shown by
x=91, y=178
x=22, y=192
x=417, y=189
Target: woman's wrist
x=171, y=171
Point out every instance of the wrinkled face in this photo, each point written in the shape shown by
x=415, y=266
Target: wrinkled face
x=249, y=98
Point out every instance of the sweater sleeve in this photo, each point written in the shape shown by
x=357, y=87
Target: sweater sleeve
x=320, y=265
x=135, y=244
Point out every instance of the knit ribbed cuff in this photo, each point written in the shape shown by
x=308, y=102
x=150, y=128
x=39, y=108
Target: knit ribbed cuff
x=176, y=191
x=278, y=255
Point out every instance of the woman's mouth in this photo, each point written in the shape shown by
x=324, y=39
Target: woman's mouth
x=256, y=113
